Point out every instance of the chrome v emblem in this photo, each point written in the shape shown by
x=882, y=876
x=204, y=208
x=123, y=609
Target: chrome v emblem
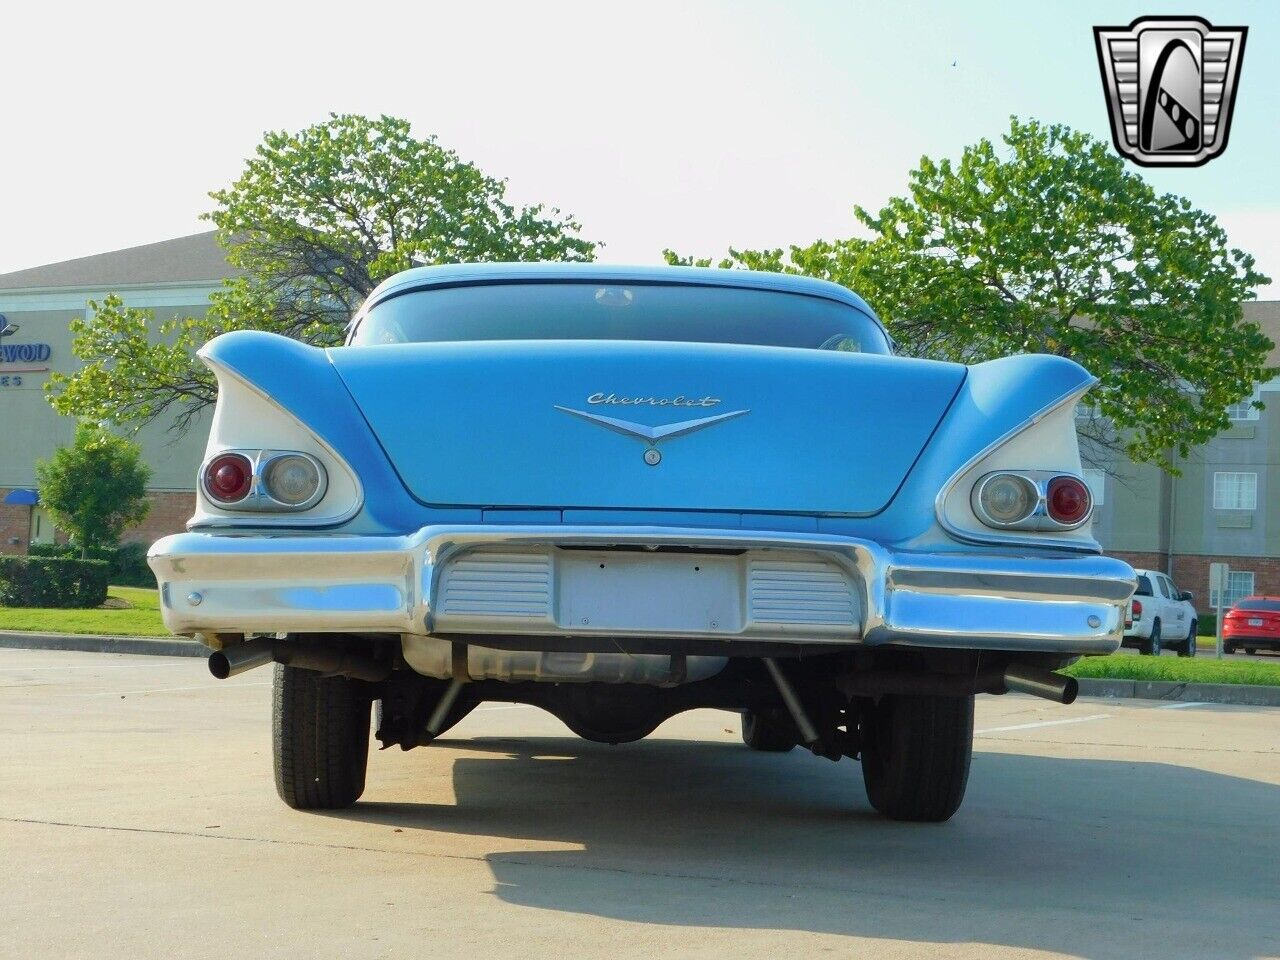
x=651, y=434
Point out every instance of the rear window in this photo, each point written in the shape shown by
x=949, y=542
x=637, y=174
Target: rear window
x=1257, y=603
x=1144, y=587
x=644, y=311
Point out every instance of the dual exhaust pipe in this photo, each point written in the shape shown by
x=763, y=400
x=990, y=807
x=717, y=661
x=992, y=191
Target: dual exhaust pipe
x=311, y=655
x=336, y=661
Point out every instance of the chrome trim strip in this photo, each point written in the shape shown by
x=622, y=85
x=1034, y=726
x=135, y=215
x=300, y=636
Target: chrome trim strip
x=642, y=431
x=966, y=536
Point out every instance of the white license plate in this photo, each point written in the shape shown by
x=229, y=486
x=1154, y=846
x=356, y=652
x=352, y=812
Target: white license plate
x=1255, y=621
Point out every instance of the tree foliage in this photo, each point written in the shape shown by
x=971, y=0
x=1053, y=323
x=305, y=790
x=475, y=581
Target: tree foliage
x=1051, y=246
x=316, y=220
x=94, y=488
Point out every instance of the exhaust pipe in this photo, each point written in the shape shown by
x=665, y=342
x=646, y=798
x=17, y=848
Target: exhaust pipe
x=1020, y=678
x=1017, y=677
x=237, y=658
x=234, y=660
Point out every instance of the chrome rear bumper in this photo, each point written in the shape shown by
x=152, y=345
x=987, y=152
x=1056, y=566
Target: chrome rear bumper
x=653, y=582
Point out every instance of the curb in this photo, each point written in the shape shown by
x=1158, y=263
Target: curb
x=99, y=643
x=1241, y=693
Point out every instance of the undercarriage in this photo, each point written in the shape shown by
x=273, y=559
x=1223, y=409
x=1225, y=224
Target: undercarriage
x=905, y=713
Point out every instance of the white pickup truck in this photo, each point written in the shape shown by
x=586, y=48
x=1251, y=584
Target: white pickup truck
x=1160, y=615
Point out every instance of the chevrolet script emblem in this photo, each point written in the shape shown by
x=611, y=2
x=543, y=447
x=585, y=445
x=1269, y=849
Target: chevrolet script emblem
x=1170, y=84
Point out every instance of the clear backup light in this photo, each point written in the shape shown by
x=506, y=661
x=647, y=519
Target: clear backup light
x=1005, y=499
x=293, y=480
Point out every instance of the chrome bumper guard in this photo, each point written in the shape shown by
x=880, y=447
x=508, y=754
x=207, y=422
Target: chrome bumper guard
x=641, y=582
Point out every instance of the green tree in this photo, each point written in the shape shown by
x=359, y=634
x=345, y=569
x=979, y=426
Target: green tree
x=95, y=488
x=1051, y=246
x=316, y=220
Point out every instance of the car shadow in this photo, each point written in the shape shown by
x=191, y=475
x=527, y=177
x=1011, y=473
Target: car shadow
x=1095, y=858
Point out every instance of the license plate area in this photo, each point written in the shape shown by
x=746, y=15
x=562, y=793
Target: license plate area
x=649, y=591
x=1255, y=621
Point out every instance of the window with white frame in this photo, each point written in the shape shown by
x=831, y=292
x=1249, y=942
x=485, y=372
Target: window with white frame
x=1235, y=491
x=1239, y=586
x=1244, y=410
x=1097, y=481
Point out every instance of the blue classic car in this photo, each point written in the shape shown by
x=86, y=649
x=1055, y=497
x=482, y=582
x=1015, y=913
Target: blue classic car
x=622, y=493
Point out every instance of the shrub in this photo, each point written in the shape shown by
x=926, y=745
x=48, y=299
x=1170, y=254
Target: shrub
x=52, y=582
x=126, y=564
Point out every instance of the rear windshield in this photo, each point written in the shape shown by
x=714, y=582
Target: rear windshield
x=1144, y=587
x=592, y=311
x=1257, y=603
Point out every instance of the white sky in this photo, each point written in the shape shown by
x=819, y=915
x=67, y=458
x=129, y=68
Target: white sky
x=693, y=125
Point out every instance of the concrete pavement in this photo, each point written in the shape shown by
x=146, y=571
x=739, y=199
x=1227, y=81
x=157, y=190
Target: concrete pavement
x=138, y=819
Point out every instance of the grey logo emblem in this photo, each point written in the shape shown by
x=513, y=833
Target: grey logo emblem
x=651, y=435
x=1170, y=84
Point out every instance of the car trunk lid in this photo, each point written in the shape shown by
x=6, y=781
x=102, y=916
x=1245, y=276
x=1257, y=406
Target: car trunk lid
x=663, y=426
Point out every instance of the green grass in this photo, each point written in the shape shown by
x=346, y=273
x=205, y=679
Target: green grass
x=1198, y=669
x=129, y=611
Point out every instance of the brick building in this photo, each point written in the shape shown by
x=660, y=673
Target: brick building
x=1224, y=506
x=172, y=278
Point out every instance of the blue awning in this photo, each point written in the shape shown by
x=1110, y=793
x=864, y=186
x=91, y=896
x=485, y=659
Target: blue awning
x=23, y=497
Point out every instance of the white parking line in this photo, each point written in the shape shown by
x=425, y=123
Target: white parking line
x=1180, y=704
x=1043, y=723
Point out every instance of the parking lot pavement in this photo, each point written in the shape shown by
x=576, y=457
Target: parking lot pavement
x=138, y=819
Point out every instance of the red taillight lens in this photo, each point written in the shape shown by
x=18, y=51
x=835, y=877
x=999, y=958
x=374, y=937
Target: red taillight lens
x=1137, y=609
x=227, y=478
x=1067, y=500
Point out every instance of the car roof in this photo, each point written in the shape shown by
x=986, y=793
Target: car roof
x=462, y=274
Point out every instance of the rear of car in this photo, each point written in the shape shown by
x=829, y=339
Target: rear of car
x=1252, y=624
x=621, y=493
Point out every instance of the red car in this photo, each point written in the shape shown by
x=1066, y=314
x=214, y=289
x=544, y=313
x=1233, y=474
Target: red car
x=1252, y=624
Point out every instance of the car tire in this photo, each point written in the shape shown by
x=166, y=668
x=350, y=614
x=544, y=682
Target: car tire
x=769, y=731
x=1251, y=650
x=320, y=738
x=916, y=752
x=1188, y=648
x=1151, y=645
x=1228, y=647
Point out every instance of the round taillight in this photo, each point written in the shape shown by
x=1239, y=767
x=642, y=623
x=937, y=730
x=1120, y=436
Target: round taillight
x=292, y=479
x=1006, y=498
x=1068, y=500
x=227, y=478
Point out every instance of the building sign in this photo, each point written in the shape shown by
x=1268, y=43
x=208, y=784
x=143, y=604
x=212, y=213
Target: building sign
x=19, y=358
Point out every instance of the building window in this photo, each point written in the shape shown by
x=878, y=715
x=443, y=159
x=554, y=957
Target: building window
x=1088, y=411
x=1097, y=481
x=1244, y=410
x=1239, y=586
x=1235, y=491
